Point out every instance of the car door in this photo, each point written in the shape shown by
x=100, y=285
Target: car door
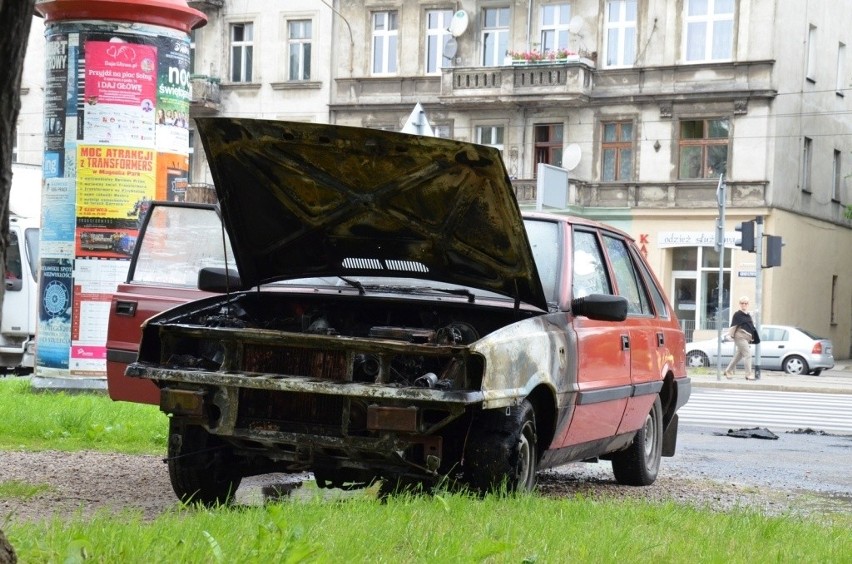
x=774, y=345
x=603, y=349
x=647, y=340
x=175, y=242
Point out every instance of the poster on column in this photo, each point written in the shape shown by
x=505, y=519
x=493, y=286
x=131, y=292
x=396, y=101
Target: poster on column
x=120, y=93
x=173, y=95
x=56, y=63
x=54, y=323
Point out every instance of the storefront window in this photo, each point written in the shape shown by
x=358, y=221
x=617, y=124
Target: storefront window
x=696, y=288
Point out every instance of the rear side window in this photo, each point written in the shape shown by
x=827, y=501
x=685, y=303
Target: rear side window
x=544, y=241
x=656, y=294
x=588, y=266
x=627, y=278
x=177, y=243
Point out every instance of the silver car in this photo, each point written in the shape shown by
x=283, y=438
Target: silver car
x=791, y=349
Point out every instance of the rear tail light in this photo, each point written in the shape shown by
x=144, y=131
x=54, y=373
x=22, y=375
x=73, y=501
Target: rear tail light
x=817, y=348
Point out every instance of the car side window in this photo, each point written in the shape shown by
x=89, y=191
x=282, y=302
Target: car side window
x=773, y=334
x=543, y=237
x=588, y=267
x=656, y=293
x=627, y=278
x=177, y=243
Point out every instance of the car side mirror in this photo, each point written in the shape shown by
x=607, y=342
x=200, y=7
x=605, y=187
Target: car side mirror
x=218, y=280
x=601, y=307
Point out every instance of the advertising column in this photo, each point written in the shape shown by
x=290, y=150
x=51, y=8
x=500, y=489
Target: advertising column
x=116, y=137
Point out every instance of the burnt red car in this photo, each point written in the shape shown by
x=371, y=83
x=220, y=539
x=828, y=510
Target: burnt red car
x=397, y=318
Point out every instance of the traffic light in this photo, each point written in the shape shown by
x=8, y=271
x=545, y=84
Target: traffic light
x=746, y=240
x=773, y=250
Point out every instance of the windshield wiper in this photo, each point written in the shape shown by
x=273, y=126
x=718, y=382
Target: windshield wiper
x=354, y=284
x=457, y=292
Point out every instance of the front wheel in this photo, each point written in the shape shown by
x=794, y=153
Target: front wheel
x=503, y=450
x=795, y=365
x=639, y=463
x=200, y=465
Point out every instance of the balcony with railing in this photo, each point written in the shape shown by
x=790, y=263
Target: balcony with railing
x=206, y=5
x=560, y=81
x=205, y=98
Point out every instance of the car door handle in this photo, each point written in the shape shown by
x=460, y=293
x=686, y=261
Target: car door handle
x=661, y=340
x=127, y=309
x=625, y=343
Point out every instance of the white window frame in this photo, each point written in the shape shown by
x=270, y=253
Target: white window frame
x=385, y=42
x=297, y=46
x=620, y=38
x=496, y=38
x=811, y=62
x=488, y=135
x=841, y=69
x=437, y=36
x=555, y=34
x=708, y=22
x=836, y=177
x=807, y=163
x=245, y=53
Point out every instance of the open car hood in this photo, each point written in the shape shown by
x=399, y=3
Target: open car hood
x=303, y=200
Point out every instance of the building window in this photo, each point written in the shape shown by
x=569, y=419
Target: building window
x=548, y=144
x=443, y=130
x=703, y=148
x=242, y=46
x=620, y=33
x=299, y=45
x=554, y=27
x=841, y=77
x=833, y=300
x=495, y=36
x=437, y=36
x=837, y=179
x=709, y=30
x=807, y=159
x=617, y=151
x=385, y=36
x=491, y=135
x=810, y=71
x=191, y=156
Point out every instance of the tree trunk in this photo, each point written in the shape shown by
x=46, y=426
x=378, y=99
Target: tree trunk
x=16, y=15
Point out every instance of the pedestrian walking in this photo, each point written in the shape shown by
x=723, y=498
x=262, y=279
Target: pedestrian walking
x=744, y=334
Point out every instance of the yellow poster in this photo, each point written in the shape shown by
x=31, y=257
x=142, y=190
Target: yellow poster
x=113, y=182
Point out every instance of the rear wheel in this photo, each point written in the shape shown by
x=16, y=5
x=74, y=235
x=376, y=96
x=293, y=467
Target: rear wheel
x=697, y=359
x=795, y=365
x=816, y=372
x=201, y=467
x=502, y=450
x=639, y=463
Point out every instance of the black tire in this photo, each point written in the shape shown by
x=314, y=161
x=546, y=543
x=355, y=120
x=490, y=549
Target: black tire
x=697, y=359
x=201, y=467
x=502, y=450
x=639, y=463
x=816, y=372
x=795, y=365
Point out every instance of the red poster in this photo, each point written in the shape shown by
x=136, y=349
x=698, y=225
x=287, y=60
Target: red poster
x=121, y=73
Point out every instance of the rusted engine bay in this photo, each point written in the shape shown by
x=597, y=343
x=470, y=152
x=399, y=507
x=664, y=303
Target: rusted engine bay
x=394, y=342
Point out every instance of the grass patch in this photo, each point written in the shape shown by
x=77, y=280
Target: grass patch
x=22, y=490
x=443, y=528
x=80, y=421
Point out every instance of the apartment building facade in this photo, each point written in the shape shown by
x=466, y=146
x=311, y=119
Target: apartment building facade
x=647, y=104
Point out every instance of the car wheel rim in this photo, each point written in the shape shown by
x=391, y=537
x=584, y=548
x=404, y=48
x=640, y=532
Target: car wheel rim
x=524, y=460
x=794, y=367
x=650, y=439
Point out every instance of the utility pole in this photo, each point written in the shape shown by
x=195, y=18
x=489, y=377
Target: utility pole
x=758, y=287
x=720, y=248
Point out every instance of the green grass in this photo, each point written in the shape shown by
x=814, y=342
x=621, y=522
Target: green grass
x=81, y=421
x=444, y=528
x=315, y=527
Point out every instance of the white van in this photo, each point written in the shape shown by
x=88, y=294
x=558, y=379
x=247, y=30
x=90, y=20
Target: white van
x=20, y=300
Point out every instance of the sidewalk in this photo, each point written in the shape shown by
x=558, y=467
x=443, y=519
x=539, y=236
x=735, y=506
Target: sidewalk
x=838, y=380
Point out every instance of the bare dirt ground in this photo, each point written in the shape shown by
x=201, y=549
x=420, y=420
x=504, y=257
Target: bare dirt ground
x=82, y=483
